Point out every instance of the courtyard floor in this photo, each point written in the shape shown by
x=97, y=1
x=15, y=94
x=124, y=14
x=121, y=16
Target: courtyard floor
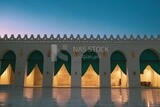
x=79, y=97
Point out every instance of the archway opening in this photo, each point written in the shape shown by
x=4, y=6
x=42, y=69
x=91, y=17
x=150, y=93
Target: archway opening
x=149, y=68
x=118, y=70
x=62, y=71
x=34, y=75
x=7, y=68
x=90, y=70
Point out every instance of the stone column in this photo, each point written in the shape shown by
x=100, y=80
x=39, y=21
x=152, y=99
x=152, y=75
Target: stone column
x=48, y=69
x=20, y=71
x=76, y=72
x=104, y=72
x=133, y=71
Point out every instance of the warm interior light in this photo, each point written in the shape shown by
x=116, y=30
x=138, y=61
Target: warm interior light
x=90, y=96
x=34, y=78
x=150, y=77
x=62, y=95
x=118, y=78
x=149, y=97
x=147, y=74
x=62, y=78
x=90, y=78
x=3, y=97
x=119, y=96
x=7, y=76
x=28, y=93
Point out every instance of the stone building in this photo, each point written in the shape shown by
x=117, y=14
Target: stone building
x=75, y=61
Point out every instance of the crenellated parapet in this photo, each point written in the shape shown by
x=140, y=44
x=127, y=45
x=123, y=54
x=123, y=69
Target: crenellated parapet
x=78, y=39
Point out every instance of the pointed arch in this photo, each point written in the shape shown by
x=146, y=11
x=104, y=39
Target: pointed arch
x=118, y=58
x=90, y=70
x=8, y=58
x=63, y=57
x=90, y=58
x=118, y=69
x=149, y=57
x=149, y=68
x=35, y=58
x=7, y=68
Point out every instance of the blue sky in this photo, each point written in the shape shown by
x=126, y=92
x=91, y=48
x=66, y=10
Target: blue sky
x=80, y=17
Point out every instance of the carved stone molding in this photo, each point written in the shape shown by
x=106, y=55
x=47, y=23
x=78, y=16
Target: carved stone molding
x=77, y=38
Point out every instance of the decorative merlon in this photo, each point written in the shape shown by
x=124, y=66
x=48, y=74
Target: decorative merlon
x=85, y=38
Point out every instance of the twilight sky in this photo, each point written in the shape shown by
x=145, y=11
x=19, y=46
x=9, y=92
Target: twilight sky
x=80, y=17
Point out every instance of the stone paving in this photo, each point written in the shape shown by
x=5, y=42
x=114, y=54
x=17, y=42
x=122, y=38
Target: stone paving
x=79, y=97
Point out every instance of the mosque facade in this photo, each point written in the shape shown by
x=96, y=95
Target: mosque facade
x=75, y=61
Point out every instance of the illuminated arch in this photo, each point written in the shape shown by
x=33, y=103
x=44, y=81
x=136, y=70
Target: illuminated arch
x=35, y=69
x=7, y=68
x=149, y=68
x=90, y=69
x=62, y=70
x=118, y=69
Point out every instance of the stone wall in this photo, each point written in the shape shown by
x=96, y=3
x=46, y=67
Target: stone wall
x=130, y=46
